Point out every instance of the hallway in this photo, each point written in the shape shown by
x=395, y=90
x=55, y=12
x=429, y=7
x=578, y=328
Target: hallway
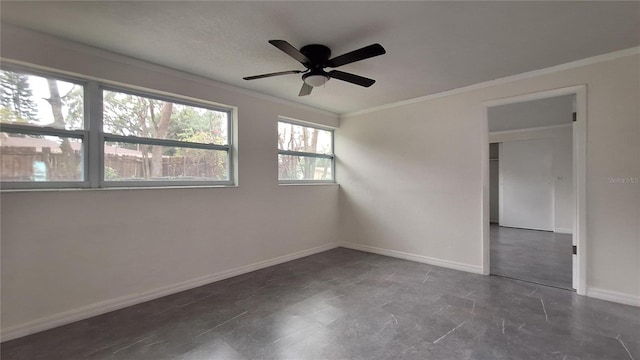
x=542, y=257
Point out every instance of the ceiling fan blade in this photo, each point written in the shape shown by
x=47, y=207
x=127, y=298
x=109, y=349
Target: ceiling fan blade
x=273, y=74
x=357, y=55
x=290, y=50
x=305, y=90
x=352, y=78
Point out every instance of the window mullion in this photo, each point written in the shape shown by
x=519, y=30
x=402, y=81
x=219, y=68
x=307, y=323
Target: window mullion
x=95, y=161
x=41, y=130
x=305, y=154
x=163, y=142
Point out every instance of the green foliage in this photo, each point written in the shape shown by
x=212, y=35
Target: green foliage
x=110, y=173
x=126, y=114
x=74, y=102
x=16, y=98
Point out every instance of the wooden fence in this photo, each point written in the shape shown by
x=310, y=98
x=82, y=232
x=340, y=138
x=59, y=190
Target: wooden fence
x=27, y=164
x=23, y=164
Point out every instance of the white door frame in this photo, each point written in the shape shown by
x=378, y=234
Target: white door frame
x=579, y=178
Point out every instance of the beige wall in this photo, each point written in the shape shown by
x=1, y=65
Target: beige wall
x=411, y=175
x=410, y=181
x=66, y=250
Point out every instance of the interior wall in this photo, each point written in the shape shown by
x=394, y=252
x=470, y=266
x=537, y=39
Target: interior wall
x=527, y=184
x=552, y=111
x=561, y=138
x=64, y=252
x=411, y=174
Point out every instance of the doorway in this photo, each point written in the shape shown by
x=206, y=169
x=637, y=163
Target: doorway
x=534, y=189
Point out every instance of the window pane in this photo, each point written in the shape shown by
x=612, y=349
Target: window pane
x=132, y=115
x=138, y=162
x=39, y=101
x=302, y=138
x=40, y=158
x=303, y=168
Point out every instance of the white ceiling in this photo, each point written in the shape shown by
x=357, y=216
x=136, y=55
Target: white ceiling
x=431, y=46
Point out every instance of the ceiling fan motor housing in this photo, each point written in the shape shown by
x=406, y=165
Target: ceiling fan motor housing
x=318, y=54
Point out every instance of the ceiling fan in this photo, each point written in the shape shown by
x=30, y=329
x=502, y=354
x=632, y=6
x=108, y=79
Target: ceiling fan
x=316, y=58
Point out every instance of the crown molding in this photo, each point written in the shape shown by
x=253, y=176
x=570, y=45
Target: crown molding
x=482, y=85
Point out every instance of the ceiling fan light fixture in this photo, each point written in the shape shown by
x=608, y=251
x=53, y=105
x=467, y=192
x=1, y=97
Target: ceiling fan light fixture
x=315, y=80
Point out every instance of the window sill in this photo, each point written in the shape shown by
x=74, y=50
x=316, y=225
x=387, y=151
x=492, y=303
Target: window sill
x=116, y=188
x=310, y=183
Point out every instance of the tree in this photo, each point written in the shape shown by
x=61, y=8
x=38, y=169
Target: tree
x=310, y=142
x=126, y=114
x=302, y=139
x=73, y=102
x=16, y=98
x=67, y=168
x=56, y=103
x=160, y=128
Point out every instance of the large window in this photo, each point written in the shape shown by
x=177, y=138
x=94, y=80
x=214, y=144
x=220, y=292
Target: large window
x=51, y=138
x=305, y=153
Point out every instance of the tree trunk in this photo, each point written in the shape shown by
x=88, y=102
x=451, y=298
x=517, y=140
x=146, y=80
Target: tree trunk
x=310, y=163
x=66, y=169
x=144, y=149
x=56, y=103
x=162, y=128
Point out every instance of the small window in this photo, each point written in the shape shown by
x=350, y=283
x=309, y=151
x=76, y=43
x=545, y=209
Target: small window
x=305, y=153
x=43, y=141
x=162, y=141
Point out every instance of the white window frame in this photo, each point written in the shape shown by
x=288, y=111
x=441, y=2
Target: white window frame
x=52, y=131
x=310, y=154
x=104, y=137
x=93, y=137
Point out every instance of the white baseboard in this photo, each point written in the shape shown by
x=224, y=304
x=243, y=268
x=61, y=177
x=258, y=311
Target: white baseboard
x=49, y=322
x=614, y=296
x=417, y=258
x=563, y=230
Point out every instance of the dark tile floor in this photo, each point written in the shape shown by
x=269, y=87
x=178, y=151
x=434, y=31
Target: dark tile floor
x=345, y=304
x=543, y=257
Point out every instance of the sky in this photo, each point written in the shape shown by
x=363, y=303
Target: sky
x=40, y=91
